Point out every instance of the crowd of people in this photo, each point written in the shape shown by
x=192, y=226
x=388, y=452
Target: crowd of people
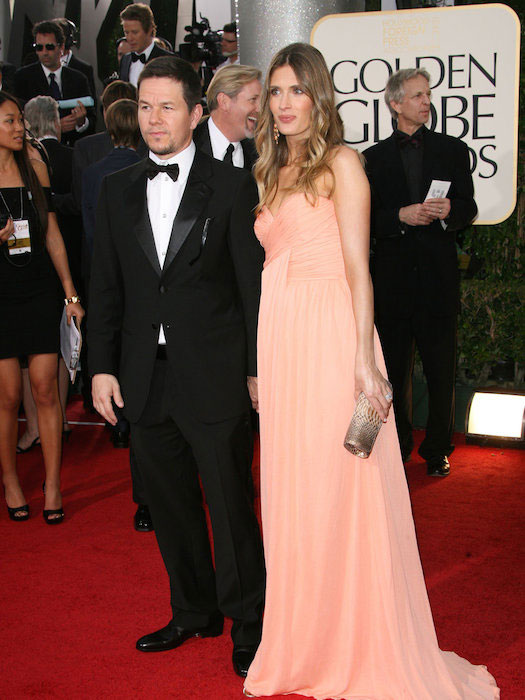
x=225, y=267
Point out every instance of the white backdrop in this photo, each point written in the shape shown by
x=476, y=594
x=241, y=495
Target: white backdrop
x=472, y=54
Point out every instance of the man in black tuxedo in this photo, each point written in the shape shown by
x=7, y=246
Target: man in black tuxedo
x=138, y=25
x=414, y=263
x=234, y=96
x=174, y=301
x=48, y=77
x=7, y=77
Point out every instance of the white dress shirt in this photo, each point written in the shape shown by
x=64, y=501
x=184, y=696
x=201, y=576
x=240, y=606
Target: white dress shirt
x=136, y=68
x=58, y=79
x=219, y=145
x=164, y=197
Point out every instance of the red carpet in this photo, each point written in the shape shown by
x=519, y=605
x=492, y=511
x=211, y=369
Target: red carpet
x=77, y=596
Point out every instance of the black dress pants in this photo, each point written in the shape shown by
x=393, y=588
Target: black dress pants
x=435, y=338
x=173, y=450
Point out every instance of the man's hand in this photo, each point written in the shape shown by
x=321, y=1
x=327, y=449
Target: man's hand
x=253, y=390
x=416, y=215
x=79, y=112
x=68, y=123
x=105, y=387
x=438, y=208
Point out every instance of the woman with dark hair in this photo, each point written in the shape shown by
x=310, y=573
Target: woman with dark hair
x=32, y=254
x=347, y=613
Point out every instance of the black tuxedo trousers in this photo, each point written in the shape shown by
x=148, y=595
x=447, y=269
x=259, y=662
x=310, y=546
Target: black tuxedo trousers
x=173, y=450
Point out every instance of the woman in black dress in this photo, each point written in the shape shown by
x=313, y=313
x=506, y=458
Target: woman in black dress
x=32, y=255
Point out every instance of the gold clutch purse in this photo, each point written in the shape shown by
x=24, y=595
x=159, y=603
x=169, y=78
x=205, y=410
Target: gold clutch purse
x=363, y=429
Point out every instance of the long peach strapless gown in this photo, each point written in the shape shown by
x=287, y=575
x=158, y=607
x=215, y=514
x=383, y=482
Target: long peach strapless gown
x=347, y=613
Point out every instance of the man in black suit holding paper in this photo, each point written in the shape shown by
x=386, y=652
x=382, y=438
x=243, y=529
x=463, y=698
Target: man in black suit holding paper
x=48, y=77
x=174, y=300
x=414, y=263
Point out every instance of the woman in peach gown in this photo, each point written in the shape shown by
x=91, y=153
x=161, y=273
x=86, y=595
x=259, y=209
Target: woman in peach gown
x=347, y=613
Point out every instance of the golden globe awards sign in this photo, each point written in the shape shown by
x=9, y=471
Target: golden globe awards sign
x=472, y=55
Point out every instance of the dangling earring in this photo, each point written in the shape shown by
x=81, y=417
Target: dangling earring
x=276, y=134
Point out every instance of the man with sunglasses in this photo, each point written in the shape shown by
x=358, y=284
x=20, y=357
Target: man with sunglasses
x=49, y=77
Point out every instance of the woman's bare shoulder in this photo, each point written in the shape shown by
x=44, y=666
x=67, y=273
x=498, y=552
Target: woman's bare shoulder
x=41, y=171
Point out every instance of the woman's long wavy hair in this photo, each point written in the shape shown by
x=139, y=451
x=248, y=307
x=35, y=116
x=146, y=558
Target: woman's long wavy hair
x=326, y=130
x=29, y=177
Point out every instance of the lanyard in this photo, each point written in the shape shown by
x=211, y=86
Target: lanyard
x=9, y=210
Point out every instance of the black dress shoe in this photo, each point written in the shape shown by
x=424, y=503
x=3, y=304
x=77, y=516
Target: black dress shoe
x=142, y=520
x=120, y=438
x=438, y=466
x=242, y=658
x=172, y=636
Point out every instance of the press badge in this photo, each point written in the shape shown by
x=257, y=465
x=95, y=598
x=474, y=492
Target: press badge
x=20, y=241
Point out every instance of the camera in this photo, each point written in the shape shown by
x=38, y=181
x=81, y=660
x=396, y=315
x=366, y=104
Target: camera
x=202, y=44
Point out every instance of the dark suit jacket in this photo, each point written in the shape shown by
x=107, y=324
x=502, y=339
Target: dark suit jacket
x=61, y=165
x=8, y=77
x=202, y=139
x=87, y=69
x=206, y=296
x=125, y=63
x=417, y=265
x=31, y=81
x=92, y=176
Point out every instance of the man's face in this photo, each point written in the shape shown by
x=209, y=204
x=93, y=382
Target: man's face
x=243, y=110
x=122, y=49
x=414, y=109
x=48, y=51
x=229, y=44
x=136, y=37
x=165, y=122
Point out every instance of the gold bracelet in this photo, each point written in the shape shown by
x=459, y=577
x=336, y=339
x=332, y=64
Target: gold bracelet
x=72, y=300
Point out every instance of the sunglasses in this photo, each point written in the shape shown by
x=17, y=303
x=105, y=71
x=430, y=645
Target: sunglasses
x=47, y=47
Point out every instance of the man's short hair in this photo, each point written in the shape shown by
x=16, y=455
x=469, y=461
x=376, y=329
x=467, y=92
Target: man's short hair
x=42, y=115
x=230, y=80
x=395, y=87
x=49, y=27
x=118, y=90
x=178, y=70
x=230, y=28
x=122, y=123
x=139, y=12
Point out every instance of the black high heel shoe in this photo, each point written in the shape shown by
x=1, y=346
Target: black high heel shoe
x=21, y=509
x=56, y=511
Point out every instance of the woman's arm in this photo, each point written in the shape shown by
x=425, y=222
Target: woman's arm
x=57, y=251
x=351, y=199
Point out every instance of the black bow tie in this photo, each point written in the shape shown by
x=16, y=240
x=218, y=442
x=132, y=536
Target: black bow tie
x=415, y=140
x=153, y=169
x=138, y=57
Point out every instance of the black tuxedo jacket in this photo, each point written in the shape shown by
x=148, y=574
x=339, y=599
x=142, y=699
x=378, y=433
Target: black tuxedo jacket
x=202, y=139
x=31, y=81
x=206, y=296
x=125, y=63
x=417, y=265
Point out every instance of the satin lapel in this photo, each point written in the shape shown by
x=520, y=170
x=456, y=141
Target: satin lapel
x=135, y=200
x=196, y=196
x=395, y=173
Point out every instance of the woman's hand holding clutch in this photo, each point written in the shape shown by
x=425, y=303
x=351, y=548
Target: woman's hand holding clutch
x=377, y=389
